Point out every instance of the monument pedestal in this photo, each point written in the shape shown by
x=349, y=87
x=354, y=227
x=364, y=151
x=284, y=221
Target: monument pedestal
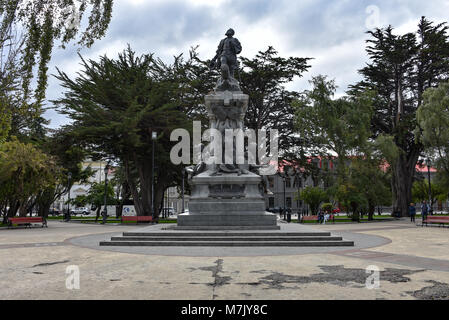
x=227, y=201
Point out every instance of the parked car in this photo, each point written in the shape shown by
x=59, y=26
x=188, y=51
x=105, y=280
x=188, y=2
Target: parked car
x=337, y=210
x=54, y=212
x=80, y=210
x=168, y=211
x=279, y=210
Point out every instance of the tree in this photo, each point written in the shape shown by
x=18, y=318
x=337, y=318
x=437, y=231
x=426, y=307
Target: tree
x=117, y=104
x=68, y=154
x=24, y=171
x=10, y=74
x=122, y=191
x=433, y=127
x=263, y=79
x=401, y=68
x=420, y=191
x=370, y=183
x=332, y=126
x=313, y=196
x=46, y=21
x=95, y=196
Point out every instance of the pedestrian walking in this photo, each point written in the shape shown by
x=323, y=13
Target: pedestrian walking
x=412, y=211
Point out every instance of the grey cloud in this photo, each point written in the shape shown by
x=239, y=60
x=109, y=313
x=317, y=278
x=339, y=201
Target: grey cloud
x=314, y=28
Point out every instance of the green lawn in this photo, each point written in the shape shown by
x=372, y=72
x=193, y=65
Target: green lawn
x=100, y=220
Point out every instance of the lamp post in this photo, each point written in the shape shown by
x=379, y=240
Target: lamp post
x=182, y=187
x=69, y=187
x=105, y=211
x=428, y=163
x=153, y=138
x=285, y=212
x=298, y=186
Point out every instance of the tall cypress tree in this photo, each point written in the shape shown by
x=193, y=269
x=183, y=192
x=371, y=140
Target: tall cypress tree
x=116, y=104
x=400, y=69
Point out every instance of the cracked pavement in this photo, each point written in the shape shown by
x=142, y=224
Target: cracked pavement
x=413, y=264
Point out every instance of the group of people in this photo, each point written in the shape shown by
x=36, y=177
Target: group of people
x=425, y=209
x=323, y=217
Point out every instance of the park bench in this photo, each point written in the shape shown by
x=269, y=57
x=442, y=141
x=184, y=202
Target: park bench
x=137, y=219
x=315, y=218
x=436, y=220
x=27, y=221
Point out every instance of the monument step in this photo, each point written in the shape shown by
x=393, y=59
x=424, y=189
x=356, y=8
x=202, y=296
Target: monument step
x=226, y=238
x=229, y=243
x=226, y=234
x=227, y=227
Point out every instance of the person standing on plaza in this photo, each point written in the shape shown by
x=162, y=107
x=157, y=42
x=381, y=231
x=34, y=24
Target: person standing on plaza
x=424, y=210
x=412, y=211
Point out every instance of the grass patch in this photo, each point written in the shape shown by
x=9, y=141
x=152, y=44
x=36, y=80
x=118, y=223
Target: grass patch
x=341, y=219
x=115, y=221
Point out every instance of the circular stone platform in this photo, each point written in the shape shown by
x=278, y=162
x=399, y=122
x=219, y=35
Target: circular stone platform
x=361, y=241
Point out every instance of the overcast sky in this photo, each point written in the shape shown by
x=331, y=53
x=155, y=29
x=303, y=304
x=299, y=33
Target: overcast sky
x=331, y=32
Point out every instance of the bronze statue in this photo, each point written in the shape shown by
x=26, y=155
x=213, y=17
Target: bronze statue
x=227, y=52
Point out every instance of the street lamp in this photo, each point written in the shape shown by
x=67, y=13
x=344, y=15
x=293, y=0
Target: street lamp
x=153, y=138
x=298, y=186
x=428, y=163
x=182, y=187
x=105, y=211
x=282, y=175
x=69, y=187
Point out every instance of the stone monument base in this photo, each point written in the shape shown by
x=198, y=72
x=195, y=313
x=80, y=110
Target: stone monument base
x=228, y=200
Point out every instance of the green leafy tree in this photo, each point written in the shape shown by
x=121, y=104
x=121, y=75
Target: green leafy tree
x=371, y=183
x=313, y=196
x=352, y=198
x=79, y=201
x=400, y=69
x=46, y=21
x=95, y=196
x=122, y=190
x=263, y=78
x=332, y=126
x=24, y=171
x=420, y=191
x=433, y=127
x=68, y=154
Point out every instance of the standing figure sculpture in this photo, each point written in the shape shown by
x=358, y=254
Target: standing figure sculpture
x=226, y=188
x=227, y=52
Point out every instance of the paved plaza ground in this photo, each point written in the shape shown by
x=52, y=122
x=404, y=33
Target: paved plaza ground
x=413, y=263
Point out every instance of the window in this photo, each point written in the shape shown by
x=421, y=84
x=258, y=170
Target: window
x=297, y=182
x=288, y=183
x=289, y=202
x=271, y=202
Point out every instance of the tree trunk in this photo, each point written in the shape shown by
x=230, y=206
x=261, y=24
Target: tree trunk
x=355, y=212
x=372, y=208
x=97, y=213
x=119, y=210
x=44, y=209
x=403, y=172
x=13, y=209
